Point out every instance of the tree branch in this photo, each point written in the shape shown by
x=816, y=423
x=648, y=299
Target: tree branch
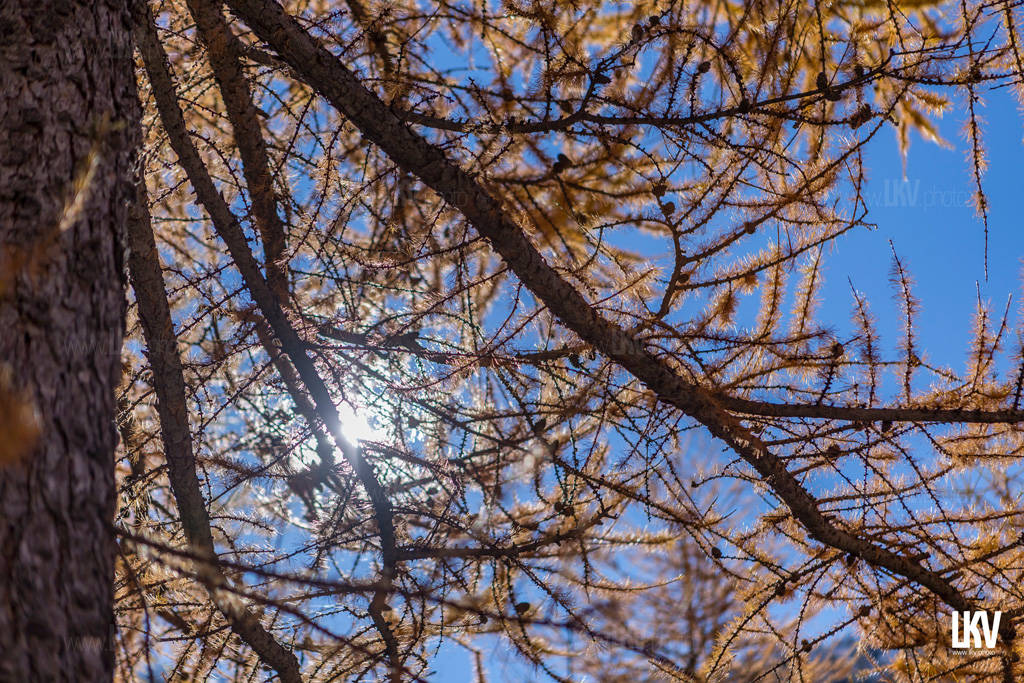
x=853, y=414
x=224, y=52
x=227, y=227
x=415, y=155
x=169, y=383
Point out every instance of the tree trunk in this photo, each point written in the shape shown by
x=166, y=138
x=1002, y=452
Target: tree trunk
x=68, y=116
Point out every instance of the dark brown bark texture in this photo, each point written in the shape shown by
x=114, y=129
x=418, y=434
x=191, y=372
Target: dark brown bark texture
x=68, y=116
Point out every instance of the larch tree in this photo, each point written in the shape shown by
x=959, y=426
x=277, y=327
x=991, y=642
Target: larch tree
x=69, y=116
x=462, y=326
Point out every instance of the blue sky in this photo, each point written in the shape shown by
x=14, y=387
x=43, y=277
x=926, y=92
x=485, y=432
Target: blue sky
x=936, y=233
x=928, y=217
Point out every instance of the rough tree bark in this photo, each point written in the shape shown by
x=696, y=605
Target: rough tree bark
x=69, y=115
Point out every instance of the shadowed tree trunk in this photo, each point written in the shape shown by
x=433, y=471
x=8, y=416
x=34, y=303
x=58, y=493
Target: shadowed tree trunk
x=69, y=115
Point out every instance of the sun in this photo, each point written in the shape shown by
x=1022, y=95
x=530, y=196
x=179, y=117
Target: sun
x=355, y=426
